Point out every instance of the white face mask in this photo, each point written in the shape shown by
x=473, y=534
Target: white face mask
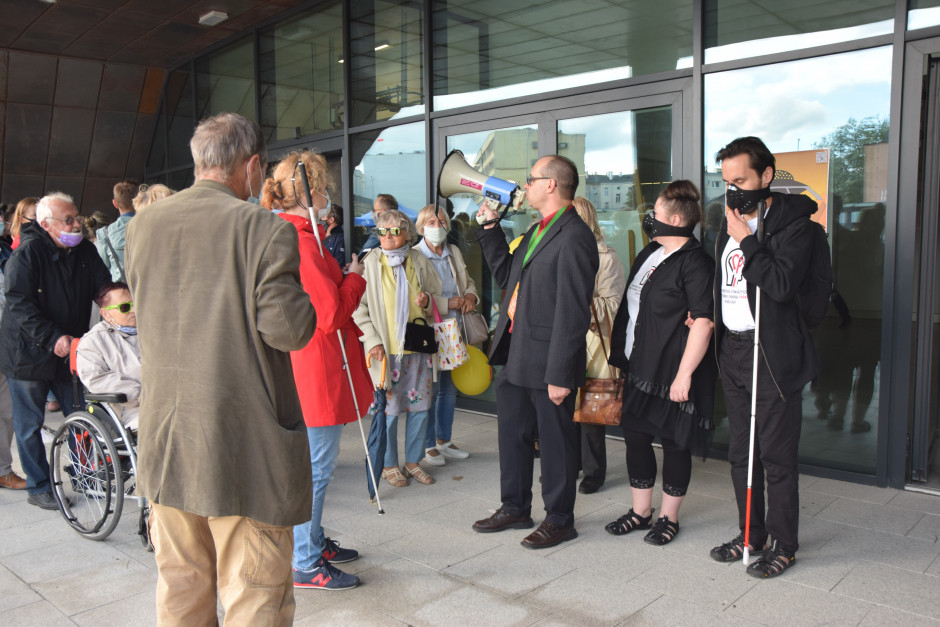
x=251, y=194
x=323, y=213
x=435, y=234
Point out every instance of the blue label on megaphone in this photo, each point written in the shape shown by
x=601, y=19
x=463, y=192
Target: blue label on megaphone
x=499, y=190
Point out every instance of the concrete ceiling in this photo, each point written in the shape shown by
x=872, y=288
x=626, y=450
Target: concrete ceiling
x=154, y=33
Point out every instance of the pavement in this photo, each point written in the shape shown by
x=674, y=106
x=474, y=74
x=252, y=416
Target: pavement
x=868, y=556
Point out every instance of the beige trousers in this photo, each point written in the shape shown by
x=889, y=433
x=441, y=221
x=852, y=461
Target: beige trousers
x=247, y=561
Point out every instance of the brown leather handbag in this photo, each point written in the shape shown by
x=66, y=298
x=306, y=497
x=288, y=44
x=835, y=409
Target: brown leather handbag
x=600, y=400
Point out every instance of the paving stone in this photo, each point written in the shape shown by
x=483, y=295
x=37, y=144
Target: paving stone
x=855, y=545
x=589, y=598
x=869, y=515
x=109, y=583
x=905, y=590
x=40, y=614
x=50, y=562
x=856, y=491
x=927, y=529
x=794, y=604
x=510, y=571
x=879, y=616
x=471, y=605
x=15, y=592
x=927, y=503
x=137, y=609
x=668, y=610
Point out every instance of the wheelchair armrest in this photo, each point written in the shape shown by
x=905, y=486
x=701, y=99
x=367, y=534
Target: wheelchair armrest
x=106, y=398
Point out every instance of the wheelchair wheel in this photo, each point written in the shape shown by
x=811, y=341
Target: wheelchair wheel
x=86, y=476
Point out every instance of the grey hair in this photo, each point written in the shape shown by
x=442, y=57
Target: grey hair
x=393, y=218
x=44, y=206
x=224, y=141
x=427, y=212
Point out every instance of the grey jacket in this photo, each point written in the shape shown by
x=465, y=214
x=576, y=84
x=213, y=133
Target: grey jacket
x=108, y=362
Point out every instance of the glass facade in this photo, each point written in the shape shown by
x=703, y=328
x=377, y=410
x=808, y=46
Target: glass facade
x=302, y=86
x=831, y=144
x=386, y=73
x=611, y=84
x=486, y=51
x=737, y=29
x=923, y=13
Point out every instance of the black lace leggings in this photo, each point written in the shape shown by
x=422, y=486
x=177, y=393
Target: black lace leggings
x=641, y=463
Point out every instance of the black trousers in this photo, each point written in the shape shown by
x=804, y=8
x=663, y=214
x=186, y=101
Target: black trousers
x=519, y=411
x=594, y=451
x=778, y=424
x=641, y=463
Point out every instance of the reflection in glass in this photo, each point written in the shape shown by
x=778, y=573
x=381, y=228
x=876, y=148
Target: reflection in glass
x=840, y=103
x=392, y=161
x=302, y=75
x=156, y=158
x=387, y=74
x=225, y=81
x=923, y=13
x=482, y=54
x=625, y=161
x=178, y=96
x=736, y=30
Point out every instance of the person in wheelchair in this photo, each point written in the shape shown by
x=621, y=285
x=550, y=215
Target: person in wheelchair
x=108, y=356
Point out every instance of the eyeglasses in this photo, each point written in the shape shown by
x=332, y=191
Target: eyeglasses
x=122, y=307
x=69, y=221
x=394, y=231
x=529, y=179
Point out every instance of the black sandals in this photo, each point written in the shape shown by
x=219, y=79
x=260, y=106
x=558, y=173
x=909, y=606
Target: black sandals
x=773, y=563
x=663, y=532
x=628, y=522
x=731, y=551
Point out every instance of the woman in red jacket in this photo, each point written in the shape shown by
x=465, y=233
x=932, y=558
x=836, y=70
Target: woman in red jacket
x=322, y=382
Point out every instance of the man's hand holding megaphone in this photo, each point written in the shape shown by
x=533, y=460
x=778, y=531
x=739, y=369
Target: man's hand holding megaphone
x=487, y=215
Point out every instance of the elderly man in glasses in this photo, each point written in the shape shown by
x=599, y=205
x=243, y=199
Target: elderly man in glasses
x=50, y=281
x=108, y=357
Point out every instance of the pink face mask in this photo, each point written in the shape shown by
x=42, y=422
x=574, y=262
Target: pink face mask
x=69, y=240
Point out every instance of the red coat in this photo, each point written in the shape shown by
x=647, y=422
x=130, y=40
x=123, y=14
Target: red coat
x=322, y=383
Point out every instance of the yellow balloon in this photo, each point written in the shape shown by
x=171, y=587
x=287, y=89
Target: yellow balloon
x=474, y=375
x=514, y=244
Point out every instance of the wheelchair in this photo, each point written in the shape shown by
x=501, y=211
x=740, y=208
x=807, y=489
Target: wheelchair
x=93, y=465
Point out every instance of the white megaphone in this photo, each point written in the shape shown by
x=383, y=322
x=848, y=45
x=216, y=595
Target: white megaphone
x=458, y=177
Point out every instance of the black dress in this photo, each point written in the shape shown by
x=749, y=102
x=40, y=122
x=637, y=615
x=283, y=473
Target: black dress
x=681, y=285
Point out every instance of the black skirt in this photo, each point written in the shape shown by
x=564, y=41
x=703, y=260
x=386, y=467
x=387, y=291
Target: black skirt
x=663, y=418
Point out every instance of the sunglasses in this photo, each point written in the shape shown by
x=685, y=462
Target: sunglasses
x=394, y=231
x=530, y=179
x=122, y=307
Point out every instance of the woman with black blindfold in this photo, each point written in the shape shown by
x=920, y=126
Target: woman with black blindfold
x=660, y=341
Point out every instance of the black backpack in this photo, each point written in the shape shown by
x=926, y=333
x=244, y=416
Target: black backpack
x=813, y=295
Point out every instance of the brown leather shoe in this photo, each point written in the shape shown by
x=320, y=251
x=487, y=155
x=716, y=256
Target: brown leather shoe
x=12, y=481
x=548, y=535
x=501, y=520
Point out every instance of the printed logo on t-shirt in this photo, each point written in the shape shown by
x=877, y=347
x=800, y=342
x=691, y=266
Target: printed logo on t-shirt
x=734, y=266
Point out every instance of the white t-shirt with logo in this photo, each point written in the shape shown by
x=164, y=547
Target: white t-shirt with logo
x=634, y=290
x=735, y=310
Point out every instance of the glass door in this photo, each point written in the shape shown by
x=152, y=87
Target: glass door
x=625, y=156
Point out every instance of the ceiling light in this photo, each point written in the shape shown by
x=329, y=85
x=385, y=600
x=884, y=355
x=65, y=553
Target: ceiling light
x=383, y=46
x=212, y=18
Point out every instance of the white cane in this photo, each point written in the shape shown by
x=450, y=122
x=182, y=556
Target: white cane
x=339, y=336
x=750, y=452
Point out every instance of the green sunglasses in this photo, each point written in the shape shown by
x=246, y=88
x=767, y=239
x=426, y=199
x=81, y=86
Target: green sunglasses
x=122, y=307
x=394, y=231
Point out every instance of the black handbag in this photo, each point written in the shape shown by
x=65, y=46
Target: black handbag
x=419, y=338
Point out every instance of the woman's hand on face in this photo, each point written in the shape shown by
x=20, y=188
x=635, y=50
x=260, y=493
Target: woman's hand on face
x=455, y=303
x=679, y=390
x=469, y=303
x=422, y=300
x=355, y=265
x=377, y=353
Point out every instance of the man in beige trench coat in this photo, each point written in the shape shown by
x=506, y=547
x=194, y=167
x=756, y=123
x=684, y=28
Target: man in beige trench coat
x=222, y=442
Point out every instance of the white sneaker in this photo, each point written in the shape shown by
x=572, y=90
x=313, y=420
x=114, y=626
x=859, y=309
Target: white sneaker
x=449, y=449
x=434, y=460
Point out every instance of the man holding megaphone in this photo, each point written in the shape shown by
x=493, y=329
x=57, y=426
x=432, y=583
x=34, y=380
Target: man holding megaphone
x=540, y=342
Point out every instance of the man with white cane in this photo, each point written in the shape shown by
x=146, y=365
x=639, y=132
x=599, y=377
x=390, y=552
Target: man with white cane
x=761, y=274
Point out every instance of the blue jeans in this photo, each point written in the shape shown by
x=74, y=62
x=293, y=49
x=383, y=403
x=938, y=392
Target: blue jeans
x=415, y=428
x=441, y=418
x=29, y=412
x=324, y=452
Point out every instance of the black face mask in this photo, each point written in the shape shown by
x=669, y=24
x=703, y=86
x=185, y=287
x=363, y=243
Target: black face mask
x=654, y=228
x=745, y=200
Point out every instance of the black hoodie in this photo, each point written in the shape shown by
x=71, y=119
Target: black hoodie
x=48, y=294
x=778, y=266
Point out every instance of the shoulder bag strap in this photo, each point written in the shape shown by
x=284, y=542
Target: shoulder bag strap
x=600, y=334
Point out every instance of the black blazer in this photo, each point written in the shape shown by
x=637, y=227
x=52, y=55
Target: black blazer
x=553, y=311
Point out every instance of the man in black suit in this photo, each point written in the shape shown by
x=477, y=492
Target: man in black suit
x=540, y=342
